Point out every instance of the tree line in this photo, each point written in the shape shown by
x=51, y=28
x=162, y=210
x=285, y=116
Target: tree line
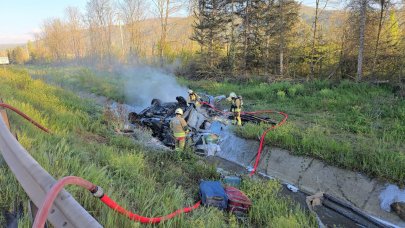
x=359, y=39
x=269, y=37
x=107, y=31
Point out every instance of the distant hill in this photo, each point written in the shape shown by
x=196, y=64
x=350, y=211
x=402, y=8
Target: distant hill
x=4, y=47
x=308, y=13
x=180, y=30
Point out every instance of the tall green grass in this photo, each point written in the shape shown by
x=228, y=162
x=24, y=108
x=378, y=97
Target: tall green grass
x=268, y=212
x=146, y=181
x=101, y=83
x=356, y=126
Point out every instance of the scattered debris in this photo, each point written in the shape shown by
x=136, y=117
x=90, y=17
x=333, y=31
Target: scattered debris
x=314, y=200
x=202, y=120
x=233, y=181
x=222, y=172
x=292, y=188
x=399, y=209
x=238, y=202
x=213, y=194
x=249, y=168
x=390, y=195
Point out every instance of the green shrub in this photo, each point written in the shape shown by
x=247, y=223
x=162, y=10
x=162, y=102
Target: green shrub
x=281, y=95
x=326, y=92
x=296, y=89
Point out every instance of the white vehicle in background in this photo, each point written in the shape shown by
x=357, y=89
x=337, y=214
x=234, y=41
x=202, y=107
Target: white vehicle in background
x=4, y=60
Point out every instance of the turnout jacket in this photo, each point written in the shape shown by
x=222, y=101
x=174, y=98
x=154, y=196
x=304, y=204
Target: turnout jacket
x=179, y=126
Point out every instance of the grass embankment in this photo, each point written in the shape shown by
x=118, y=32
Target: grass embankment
x=149, y=182
x=103, y=83
x=355, y=126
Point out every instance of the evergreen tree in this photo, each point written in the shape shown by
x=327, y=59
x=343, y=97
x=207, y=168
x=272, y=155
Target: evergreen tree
x=209, y=33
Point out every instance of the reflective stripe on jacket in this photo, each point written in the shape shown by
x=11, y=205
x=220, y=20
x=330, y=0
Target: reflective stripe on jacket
x=178, y=125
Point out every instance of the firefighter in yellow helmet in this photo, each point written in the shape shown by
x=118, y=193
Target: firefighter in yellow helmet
x=179, y=128
x=193, y=98
x=236, y=108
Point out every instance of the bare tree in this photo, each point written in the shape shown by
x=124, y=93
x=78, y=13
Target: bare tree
x=100, y=16
x=54, y=35
x=318, y=11
x=383, y=6
x=362, y=26
x=164, y=9
x=282, y=41
x=132, y=12
x=75, y=28
x=192, y=6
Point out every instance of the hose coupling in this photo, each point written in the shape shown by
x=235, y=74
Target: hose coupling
x=97, y=192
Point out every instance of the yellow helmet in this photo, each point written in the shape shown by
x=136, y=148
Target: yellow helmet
x=179, y=111
x=232, y=95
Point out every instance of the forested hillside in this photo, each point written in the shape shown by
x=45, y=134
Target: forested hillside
x=358, y=40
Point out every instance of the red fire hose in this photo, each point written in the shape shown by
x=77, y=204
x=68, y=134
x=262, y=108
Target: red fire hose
x=25, y=116
x=262, y=138
x=43, y=212
x=113, y=205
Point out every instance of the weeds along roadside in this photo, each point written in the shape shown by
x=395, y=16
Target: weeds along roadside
x=356, y=126
x=149, y=182
x=108, y=84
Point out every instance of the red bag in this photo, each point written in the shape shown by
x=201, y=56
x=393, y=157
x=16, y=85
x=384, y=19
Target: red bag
x=238, y=202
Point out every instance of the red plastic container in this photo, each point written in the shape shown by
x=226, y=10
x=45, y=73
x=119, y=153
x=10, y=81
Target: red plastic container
x=238, y=202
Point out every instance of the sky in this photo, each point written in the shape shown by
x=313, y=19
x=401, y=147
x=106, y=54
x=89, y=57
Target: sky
x=20, y=19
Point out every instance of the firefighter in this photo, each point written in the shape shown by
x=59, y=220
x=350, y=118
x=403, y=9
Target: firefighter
x=193, y=98
x=179, y=128
x=236, y=107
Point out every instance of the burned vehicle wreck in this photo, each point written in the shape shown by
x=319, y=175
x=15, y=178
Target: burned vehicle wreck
x=201, y=120
x=157, y=117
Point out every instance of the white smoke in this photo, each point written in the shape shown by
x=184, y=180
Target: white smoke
x=143, y=83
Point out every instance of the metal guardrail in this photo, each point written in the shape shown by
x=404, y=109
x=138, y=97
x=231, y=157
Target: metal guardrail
x=36, y=181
